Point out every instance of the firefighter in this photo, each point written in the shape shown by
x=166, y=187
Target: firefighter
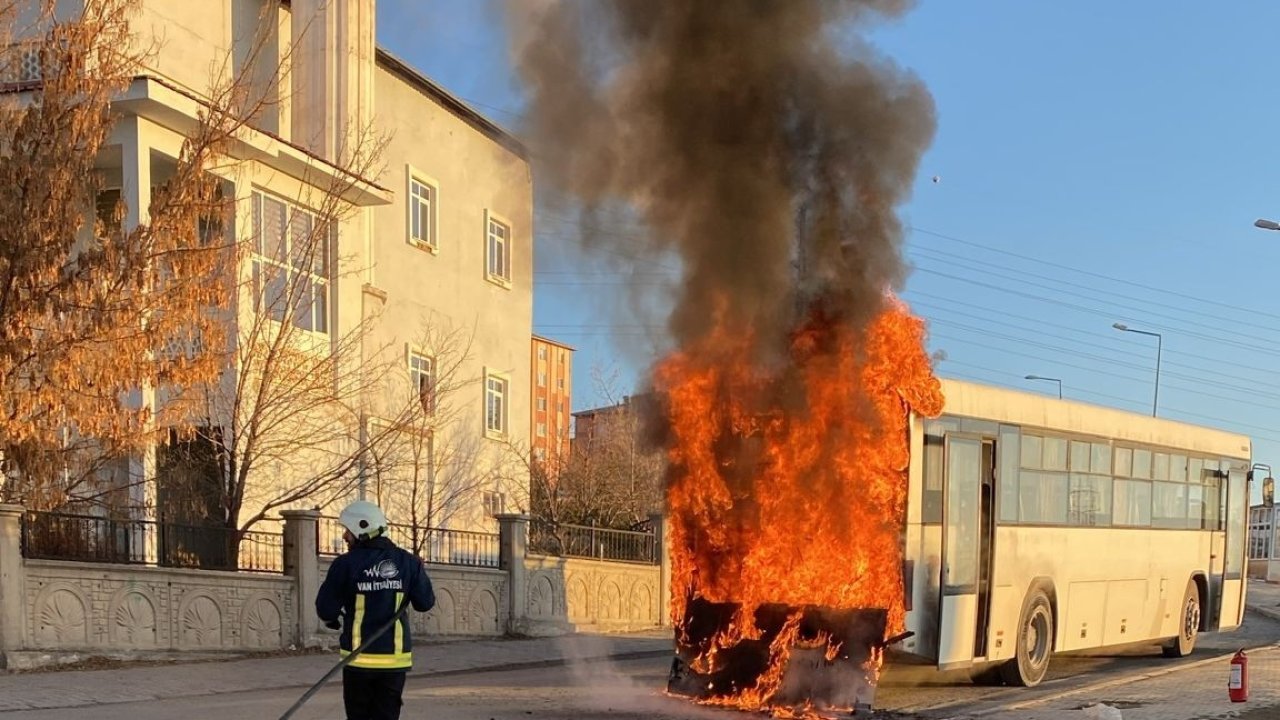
x=366, y=587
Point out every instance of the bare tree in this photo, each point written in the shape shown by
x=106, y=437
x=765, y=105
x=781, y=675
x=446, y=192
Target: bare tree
x=435, y=464
x=609, y=476
x=288, y=423
x=92, y=311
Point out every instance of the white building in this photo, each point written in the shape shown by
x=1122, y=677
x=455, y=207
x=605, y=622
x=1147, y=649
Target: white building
x=440, y=237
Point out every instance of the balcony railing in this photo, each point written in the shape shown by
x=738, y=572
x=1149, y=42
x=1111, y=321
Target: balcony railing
x=21, y=63
x=89, y=538
x=584, y=541
x=434, y=545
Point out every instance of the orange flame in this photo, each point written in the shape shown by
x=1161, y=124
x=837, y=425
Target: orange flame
x=789, y=486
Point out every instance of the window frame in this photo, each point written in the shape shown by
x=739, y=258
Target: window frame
x=505, y=379
x=432, y=243
x=488, y=499
x=260, y=258
x=414, y=353
x=502, y=280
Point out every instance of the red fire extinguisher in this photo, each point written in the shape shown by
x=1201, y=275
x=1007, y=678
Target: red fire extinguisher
x=1238, y=685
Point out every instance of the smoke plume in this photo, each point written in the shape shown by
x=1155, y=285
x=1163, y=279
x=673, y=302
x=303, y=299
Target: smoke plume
x=761, y=141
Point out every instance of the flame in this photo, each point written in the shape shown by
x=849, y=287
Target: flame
x=788, y=484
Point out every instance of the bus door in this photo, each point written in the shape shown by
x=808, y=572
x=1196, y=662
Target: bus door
x=1235, y=514
x=967, y=539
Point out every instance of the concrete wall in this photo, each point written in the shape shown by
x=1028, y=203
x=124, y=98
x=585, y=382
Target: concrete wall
x=53, y=611
x=594, y=595
x=85, y=606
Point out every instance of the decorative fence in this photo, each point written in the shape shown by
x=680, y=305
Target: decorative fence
x=90, y=538
x=434, y=545
x=80, y=583
x=584, y=541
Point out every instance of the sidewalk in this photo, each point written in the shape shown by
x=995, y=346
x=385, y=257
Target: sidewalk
x=51, y=690
x=1196, y=691
x=1263, y=597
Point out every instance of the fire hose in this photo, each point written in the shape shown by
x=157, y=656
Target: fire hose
x=347, y=660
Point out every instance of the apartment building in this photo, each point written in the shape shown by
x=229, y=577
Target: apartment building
x=551, y=364
x=430, y=250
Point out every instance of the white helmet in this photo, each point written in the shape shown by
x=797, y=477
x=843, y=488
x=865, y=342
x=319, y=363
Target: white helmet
x=363, y=519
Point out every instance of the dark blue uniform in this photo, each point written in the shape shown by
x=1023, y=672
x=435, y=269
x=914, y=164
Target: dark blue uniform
x=366, y=586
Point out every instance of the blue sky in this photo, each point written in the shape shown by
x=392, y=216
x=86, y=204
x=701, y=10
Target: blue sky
x=1098, y=162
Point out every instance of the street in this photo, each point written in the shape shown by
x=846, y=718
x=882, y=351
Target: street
x=1137, y=681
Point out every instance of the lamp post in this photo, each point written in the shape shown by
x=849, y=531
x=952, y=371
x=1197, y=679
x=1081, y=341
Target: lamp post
x=1155, y=401
x=1048, y=379
x=1266, y=224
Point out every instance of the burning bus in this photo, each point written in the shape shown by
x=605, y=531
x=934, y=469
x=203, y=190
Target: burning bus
x=854, y=506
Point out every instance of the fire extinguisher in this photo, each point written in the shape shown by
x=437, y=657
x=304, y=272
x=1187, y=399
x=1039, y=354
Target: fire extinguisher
x=1238, y=685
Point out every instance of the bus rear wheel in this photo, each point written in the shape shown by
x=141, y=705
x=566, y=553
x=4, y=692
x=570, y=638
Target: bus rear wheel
x=1035, y=642
x=1188, y=624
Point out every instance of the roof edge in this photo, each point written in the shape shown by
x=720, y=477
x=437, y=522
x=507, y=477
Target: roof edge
x=451, y=103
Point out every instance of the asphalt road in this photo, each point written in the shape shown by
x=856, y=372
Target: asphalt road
x=631, y=690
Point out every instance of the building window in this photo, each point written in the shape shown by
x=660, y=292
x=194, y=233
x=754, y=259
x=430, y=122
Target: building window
x=542, y=379
x=542, y=429
x=494, y=503
x=495, y=405
x=498, y=235
x=542, y=404
x=422, y=373
x=291, y=268
x=542, y=353
x=423, y=200
x=560, y=383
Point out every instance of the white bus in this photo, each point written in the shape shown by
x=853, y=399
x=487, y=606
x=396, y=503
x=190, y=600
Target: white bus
x=1037, y=525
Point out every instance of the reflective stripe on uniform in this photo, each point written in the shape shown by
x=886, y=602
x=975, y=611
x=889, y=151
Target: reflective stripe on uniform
x=357, y=621
x=381, y=661
x=399, y=627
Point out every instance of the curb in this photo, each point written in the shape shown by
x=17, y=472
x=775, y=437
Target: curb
x=1273, y=613
x=1125, y=680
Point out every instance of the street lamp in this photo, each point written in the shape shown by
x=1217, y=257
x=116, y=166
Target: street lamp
x=1266, y=224
x=1159, y=351
x=1048, y=379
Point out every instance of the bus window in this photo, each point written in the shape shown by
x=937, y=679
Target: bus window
x=1090, y=500
x=1141, y=464
x=1043, y=496
x=1101, y=461
x=1032, y=451
x=1160, y=466
x=931, y=500
x=1124, y=462
x=1010, y=450
x=1197, y=518
x=1132, y=503
x=1212, y=519
x=1236, y=526
x=1055, y=454
x=1169, y=505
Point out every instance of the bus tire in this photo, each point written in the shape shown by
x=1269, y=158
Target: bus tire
x=1188, y=624
x=1034, y=642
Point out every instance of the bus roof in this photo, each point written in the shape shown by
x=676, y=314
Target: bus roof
x=967, y=399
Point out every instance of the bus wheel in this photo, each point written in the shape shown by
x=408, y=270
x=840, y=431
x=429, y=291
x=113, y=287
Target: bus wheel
x=1188, y=625
x=1035, y=642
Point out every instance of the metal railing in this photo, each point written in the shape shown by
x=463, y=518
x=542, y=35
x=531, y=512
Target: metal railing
x=584, y=541
x=434, y=545
x=89, y=538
